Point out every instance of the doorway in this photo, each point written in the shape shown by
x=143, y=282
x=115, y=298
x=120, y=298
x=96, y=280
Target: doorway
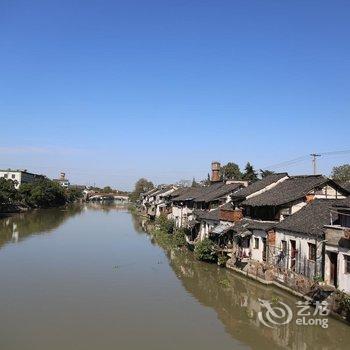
x=333, y=265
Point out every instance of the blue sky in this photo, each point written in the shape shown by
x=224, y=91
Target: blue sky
x=110, y=91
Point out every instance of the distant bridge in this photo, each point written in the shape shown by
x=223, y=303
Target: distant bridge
x=107, y=197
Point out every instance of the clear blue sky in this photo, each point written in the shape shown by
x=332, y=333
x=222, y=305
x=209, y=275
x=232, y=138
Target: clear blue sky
x=110, y=90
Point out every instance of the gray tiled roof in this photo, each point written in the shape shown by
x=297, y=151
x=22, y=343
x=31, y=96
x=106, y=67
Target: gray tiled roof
x=207, y=215
x=309, y=220
x=259, y=185
x=343, y=203
x=213, y=194
x=192, y=193
x=288, y=191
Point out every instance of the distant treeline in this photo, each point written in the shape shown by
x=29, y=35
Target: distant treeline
x=42, y=193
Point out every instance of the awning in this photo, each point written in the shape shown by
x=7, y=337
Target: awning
x=221, y=229
x=245, y=233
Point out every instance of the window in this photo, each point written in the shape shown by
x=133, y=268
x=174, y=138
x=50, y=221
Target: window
x=5, y=176
x=344, y=219
x=256, y=243
x=284, y=246
x=13, y=176
x=347, y=263
x=312, y=251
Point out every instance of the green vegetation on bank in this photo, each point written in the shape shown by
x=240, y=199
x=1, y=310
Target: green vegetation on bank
x=43, y=193
x=167, y=235
x=204, y=250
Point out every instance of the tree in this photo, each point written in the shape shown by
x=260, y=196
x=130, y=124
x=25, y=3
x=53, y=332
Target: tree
x=107, y=189
x=249, y=173
x=341, y=173
x=141, y=186
x=231, y=171
x=264, y=173
x=204, y=250
x=73, y=193
x=8, y=192
x=43, y=193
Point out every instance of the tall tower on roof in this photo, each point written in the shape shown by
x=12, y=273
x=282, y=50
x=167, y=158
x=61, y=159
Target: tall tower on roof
x=215, y=172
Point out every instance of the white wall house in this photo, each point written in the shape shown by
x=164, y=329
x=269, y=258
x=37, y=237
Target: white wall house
x=62, y=180
x=19, y=176
x=337, y=251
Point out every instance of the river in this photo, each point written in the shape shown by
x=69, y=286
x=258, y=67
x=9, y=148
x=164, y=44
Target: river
x=88, y=277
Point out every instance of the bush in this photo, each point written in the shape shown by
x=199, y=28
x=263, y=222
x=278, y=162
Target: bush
x=8, y=192
x=204, y=251
x=73, y=194
x=165, y=225
x=178, y=238
x=222, y=259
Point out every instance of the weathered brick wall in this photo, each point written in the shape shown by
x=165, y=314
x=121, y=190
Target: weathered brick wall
x=230, y=215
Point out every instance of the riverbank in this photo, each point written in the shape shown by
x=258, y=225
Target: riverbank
x=95, y=262
x=338, y=302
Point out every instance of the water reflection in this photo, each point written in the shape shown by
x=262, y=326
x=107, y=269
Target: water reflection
x=74, y=273
x=235, y=299
x=15, y=228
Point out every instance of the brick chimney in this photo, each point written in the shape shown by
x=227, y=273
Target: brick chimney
x=215, y=171
x=310, y=198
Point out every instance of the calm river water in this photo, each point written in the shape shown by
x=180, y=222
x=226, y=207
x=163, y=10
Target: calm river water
x=88, y=277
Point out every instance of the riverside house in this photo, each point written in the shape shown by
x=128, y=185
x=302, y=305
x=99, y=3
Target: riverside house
x=216, y=222
x=271, y=228
x=203, y=198
x=20, y=176
x=337, y=250
x=280, y=202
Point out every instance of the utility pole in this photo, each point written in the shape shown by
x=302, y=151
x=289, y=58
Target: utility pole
x=314, y=158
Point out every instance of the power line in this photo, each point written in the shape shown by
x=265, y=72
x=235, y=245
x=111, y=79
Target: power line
x=300, y=159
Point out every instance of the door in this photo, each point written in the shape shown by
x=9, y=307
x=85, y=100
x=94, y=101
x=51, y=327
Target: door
x=333, y=275
x=264, y=249
x=293, y=254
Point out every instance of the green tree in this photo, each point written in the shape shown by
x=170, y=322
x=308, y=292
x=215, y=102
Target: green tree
x=249, y=173
x=231, y=171
x=264, y=173
x=204, y=251
x=341, y=173
x=8, y=192
x=107, y=189
x=73, y=194
x=43, y=193
x=141, y=186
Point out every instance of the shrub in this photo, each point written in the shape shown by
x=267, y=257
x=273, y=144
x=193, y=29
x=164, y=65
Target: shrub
x=165, y=225
x=178, y=238
x=222, y=259
x=204, y=251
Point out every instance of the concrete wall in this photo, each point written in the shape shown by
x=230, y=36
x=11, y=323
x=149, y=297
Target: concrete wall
x=303, y=265
x=18, y=176
x=257, y=254
x=181, y=215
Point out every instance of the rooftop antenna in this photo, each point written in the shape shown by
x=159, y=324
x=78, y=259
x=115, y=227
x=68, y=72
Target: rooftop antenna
x=314, y=161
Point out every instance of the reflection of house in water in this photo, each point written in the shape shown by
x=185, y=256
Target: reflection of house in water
x=236, y=301
x=20, y=226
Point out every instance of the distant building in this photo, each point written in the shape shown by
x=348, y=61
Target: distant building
x=20, y=176
x=63, y=181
